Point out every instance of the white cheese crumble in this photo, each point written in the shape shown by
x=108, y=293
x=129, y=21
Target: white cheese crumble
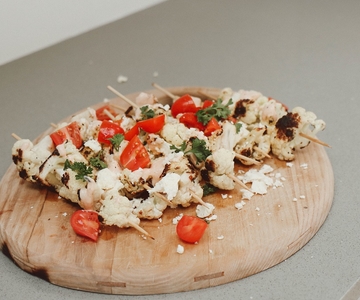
x=220, y=237
x=240, y=205
x=203, y=211
x=180, y=249
x=122, y=79
x=177, y=219
x=169, y=185
x=302, y=197
x=289, y=164
x=304, y=166
x=211, y=218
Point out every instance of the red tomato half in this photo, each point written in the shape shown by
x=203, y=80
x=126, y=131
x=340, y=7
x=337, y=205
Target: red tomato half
x=182, y=105
x=101, y=115
x=212, y=126
x=70, y=132
x=152, y=125
x=207, y=103
x=132, y=132
x=107, y=130
x=189, y=119
x=190, y=229
x=135, y=155
x=86, y=223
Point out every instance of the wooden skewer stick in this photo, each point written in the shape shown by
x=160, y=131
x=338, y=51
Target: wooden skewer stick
x=53, y=125
x=117, y=106
x=138, y=228
x=243, y=157
x=122, y=97
x=109, y=114
x=166, y=92
x=161, y=196
x=207, y=95
x=238, y=181
x=262, y=152
x=15, y=136
x=313, y=139
x=198, y=199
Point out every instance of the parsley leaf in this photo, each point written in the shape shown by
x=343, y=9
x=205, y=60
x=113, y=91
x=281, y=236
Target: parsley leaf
x=218, y=110
x=181, y=148
x=238, y=127
x=147, y=112
x=208, y=189
x=80, y=168
x=97, y=163
x=199, y=149
x=116, y=140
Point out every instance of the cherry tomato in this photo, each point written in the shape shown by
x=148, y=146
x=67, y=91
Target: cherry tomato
x=212, y=126
x=132, y=132
x=135, y=155
x=107, y=130
x=152, y=125
x=86, y=223
x=189, y=119
x=101, y=115
x=207, y=103
x=190, y=229
x=70, y=132
x=182, y=105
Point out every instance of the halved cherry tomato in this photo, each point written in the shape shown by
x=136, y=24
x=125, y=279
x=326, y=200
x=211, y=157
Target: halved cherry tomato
x=101, y=115
x=207, y=103
x=70, y=132
x=152, y=125
x=86, y=223
x=182, y=105
x=107, y=130
x=135, y=155
x=189, y=119
x=132, y=132
x=190, y=229
x=211, y=127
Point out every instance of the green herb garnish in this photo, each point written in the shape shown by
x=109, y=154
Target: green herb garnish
x=198, y=148
x=97, y=163
x=147, y=112
x=238, y=127
x=218, y=111
x=81, y=169
x=208, y=189
x=116, y=140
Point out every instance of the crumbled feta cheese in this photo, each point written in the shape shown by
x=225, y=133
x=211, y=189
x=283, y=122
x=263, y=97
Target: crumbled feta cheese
x=93, y=145
x=210, y=251
x=294, y=199
x=289, y=164
x=257, y=209
x=224, y=196
x=302, y=197
x=220, y=237
x=169, y=185
x=180, y=249
x=64, y=214
x=122, y=79
x=240, y=205
x=246, y=194
x=203, y=211
x=304, y=166
x=177, y=219
x=211, y=218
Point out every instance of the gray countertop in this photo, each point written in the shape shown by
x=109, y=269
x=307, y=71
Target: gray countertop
x=304, y=53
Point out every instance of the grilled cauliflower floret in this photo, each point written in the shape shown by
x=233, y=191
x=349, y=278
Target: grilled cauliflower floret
x=157, y=145
x=28, y=158
x=218, y=166
x=90, y=195
x=285, y=137
x=177, y=133
x=227, y=137
x=150, y=208
x=71, y=186
x=117, y=210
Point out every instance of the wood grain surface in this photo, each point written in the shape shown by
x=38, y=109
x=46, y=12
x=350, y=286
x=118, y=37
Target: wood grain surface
x=35, y=232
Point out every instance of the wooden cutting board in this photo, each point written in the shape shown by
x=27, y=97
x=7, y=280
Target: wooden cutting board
x=35, y=232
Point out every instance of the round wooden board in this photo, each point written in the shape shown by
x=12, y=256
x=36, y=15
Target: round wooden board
x=35, y=232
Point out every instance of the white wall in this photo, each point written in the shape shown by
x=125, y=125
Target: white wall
x=27, y=26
